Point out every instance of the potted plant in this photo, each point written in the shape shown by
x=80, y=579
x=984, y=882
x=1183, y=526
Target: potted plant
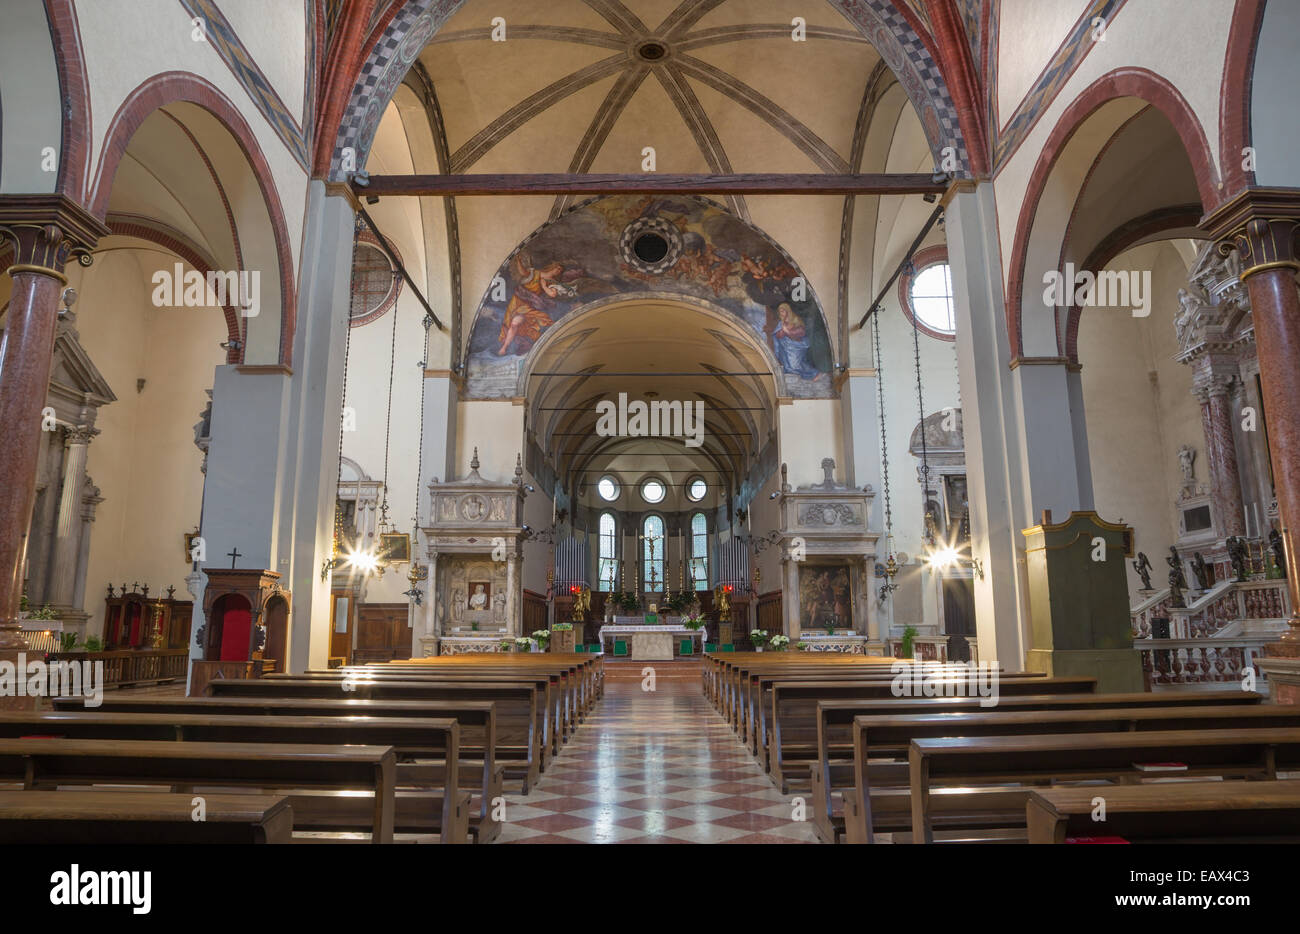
x=908, y=644
x=801, y=646
x=94, y=644
x=758, y=637
x=523, y=644
x=473, y=627
x=505, y=645
x=543, y=638
x=778, y=643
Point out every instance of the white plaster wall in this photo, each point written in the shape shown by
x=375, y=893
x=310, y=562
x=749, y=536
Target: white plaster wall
x=1275, y=133
x=29, y=98
x=144, y=462
x=1029, y=33
x=275, y=35
x=496, y=428
x=1140, y=408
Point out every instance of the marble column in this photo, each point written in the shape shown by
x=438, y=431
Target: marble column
x=513, y=622
x=44, y=231
x=790, y=598
x=1213, y=392
x=67, y=530
x=1262, y=225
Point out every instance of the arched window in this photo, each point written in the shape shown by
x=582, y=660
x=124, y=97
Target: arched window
x=652, y=554
x=926, y=295
x=607, y=568
x=699, y=552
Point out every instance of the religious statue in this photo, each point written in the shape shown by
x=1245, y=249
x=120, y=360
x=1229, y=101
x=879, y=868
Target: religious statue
x=1237, y=555
x=1187, y=464
x=1201, y=571
x=478, y=600
x=458, y=604
x=722, y=602
x=1176, y=565
x=581, y=604
x=1279, y=552
x=1189, y=308
x=1143, y=567
x=499, y=607
x=1176, y=585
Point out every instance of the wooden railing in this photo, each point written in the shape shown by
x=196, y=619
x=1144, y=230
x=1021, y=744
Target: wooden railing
x=134, y=666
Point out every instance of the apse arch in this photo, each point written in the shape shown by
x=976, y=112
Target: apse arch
x=1080, y=136
x=587, y=254
x=352, y=110
x=176, y=87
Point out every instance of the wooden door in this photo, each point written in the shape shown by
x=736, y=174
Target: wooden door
x=342, y=617
x=382, y=632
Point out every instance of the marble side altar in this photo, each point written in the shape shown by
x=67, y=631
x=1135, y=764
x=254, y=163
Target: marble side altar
x=844, y=643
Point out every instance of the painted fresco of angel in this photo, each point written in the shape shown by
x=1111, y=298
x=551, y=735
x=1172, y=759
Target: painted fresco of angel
x=538, y=294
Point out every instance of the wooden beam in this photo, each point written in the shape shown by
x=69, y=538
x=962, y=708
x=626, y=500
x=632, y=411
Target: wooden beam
x=561, y=183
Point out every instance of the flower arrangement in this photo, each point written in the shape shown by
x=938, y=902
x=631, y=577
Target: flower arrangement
x=523, y=644
x=779, y=643
x=505, y=645
x=758, y=637
x=695, y=622
x=801, y=646
x=543, y=636
x=562, y=627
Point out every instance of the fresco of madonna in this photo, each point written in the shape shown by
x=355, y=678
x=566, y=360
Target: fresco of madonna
x=590, y=254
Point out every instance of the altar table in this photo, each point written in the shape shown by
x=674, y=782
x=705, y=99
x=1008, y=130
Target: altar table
x=648, y=643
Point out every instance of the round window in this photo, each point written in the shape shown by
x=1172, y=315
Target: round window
x=608, y=489
x=653, y=491
x=930, y=297
x=696, y=489
x=375, y=284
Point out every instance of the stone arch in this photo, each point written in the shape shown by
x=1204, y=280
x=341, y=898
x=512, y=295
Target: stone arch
x=182, y=87
x=1093, y=107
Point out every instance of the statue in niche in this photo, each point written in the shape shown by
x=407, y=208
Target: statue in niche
x=1189, y=307
x=1176, y=568
x=1279, y=551
x=1187, y=464
x=499, y=607
x=478, y=600
x=458, y=604
x=1201, y=571
x=1143, y=567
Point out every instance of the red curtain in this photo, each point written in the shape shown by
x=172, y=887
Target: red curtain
x=236, y=626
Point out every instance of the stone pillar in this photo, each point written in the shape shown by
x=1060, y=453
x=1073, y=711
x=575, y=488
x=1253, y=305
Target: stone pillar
x=67, y=530
x=1262, y=225
x=790, y=598
x=43, y=230
x=1212, y=390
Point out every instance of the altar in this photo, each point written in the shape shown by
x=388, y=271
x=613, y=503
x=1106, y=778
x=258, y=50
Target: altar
x=651, y=643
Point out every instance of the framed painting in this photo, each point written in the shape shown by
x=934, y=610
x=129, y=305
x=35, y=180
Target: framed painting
x=825, y=596
x=395, y=546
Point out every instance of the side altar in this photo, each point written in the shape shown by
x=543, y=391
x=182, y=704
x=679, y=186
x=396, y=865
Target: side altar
x=474, y=586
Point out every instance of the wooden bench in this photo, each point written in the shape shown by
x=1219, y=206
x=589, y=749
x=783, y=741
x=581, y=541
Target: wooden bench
x=789, y=746
x=480, y=770
x=839, y=759
x=81, y=817
x=1183, y=812
x=518, y=711
x=984, y=760
x=40, y=763
x=879, y=738
x=436, y=805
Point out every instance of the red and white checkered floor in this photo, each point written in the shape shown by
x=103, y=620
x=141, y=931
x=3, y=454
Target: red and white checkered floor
x=654, y=767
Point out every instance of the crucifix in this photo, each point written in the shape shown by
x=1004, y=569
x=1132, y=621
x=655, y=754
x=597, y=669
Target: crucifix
x=232, y=554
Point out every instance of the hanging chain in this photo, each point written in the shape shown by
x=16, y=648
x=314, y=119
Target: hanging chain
x=343, y=406
x=927, y=532
x=388, y=416
x=419, y=458
x=884, y=441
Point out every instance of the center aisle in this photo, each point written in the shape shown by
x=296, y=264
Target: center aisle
x=653, y=767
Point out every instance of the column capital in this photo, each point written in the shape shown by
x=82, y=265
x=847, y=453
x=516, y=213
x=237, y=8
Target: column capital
x=1261, y=225
x=45, y=230
x=79, y=434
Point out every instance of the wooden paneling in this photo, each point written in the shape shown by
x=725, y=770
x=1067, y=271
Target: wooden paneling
x=534, y=612
x=382, y=633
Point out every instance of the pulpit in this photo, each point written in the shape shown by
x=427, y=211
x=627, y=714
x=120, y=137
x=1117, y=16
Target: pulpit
x=246, y=626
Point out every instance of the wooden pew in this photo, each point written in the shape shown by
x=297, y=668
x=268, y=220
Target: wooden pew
x=551, y=692
x=439, y=806
x=480, y=770
x=588, y=671
x=81, y=817
x=1181, y=812
x=840, y=758
x=790, y=747
x=38, y=763
x=984, y=760
x=518, y=710
x=887, y=737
